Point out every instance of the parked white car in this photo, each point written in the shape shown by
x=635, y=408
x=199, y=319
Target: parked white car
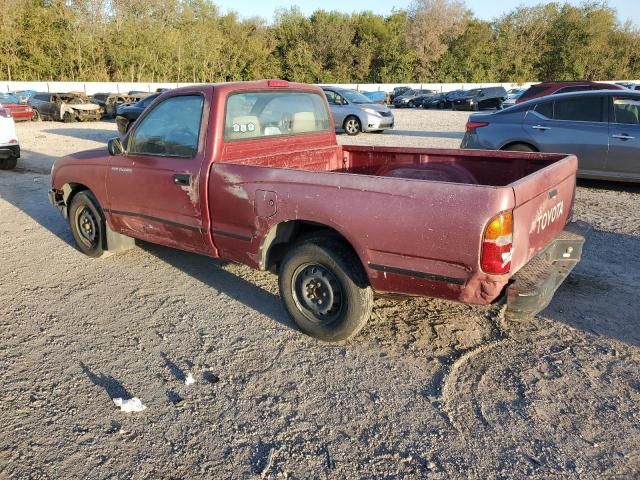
x=9, y=146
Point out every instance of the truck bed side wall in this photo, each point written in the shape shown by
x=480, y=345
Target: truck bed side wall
x=430, y=228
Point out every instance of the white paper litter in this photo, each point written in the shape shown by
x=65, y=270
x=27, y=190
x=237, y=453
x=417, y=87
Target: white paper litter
x=129, y=405
x=189, y=379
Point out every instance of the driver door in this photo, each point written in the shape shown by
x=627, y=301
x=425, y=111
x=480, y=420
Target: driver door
x=154, y=187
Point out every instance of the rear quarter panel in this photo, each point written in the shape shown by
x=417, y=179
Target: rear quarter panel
x=433, y=228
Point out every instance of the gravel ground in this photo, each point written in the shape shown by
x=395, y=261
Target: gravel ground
x=429, y=389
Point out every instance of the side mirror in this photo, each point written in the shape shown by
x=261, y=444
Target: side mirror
x=115, y=147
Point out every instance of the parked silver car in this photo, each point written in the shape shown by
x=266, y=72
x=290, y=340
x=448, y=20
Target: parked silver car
x=601, y=127
x=354, y=113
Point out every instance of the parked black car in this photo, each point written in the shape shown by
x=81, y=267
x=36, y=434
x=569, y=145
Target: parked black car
x=439, y=100
x=481, y=98
x=411, y=98
x=397, y=92
x=128, y=113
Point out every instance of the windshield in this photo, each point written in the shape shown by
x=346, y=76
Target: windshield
x=355, y=97
x=147, y=100
x=532, y=91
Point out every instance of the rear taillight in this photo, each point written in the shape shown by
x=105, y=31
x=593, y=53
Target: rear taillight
x=472, y=126
x=5, y=113
x=497, y=244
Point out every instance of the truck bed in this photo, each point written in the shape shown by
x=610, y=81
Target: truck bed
x=378, y=200
x=472, y=167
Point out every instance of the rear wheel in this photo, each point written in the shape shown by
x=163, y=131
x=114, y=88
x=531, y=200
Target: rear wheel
x=87, y=224
x=352, y=125
x=325, y=289
x=519, y=147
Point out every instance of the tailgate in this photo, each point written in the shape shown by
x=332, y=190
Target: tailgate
x=544, y=201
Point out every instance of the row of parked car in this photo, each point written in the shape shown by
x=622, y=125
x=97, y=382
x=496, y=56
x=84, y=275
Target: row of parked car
x=484, y=98
x=68, y=107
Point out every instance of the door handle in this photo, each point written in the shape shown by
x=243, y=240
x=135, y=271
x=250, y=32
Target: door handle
x=541, y=128
x=623, y=136
x=182, y=179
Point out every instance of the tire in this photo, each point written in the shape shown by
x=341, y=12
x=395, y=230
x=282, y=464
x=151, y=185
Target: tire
x=87, y=224
x=68, y=118
x=321, y=270
x=36, y=116
x=8, y=163
x=352, y=125
x=519, y=147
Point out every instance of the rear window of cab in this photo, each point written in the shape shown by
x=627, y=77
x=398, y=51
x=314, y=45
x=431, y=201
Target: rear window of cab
x=251, y=115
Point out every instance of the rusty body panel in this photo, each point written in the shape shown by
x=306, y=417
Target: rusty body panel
x=415, y=217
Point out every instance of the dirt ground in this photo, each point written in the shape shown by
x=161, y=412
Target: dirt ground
x=429, y=389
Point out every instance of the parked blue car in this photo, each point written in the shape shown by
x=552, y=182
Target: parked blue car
x=600, y=127
x=376, y=97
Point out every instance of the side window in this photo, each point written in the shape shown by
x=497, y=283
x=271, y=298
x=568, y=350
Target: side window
x=626, y=110
x=331, y=97
x=580, y=109
x=544, y=109
x=171, y=129
x=272, y=113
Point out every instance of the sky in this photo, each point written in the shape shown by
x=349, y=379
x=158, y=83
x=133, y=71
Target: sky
x=484, y=9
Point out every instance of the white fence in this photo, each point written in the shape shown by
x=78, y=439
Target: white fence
x=90, y=88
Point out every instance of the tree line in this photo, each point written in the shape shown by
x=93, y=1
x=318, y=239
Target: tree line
x=193, y=41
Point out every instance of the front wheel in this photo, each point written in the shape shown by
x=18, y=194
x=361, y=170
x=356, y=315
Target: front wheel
x=325, y=289
x=36, y=116
x=67, y=117
x=87, y=224
x=352, y=126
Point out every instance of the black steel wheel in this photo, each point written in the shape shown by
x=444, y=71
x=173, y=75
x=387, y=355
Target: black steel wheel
x=325, y=289
x=317, y=292
x=87, y=224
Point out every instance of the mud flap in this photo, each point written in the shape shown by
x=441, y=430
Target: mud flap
x=116, y=242
x=534, y=284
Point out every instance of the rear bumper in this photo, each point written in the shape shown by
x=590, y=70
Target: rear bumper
x=9, y=151
x=534, y=285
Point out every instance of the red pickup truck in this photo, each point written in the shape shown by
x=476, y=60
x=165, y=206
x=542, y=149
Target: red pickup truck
x=251, y=172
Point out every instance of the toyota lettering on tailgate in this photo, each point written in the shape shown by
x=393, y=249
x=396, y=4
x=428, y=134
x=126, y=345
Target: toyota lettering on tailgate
x=547, y=217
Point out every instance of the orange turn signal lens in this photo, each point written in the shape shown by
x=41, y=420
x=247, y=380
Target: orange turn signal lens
x=499, y=226
x=497, y=245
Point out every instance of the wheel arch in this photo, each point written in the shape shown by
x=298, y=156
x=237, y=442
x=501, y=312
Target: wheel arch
x=355, y=115
x=282, y=235
x=519, y=142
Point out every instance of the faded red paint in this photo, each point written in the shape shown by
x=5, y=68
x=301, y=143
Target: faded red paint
x=243, y=189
